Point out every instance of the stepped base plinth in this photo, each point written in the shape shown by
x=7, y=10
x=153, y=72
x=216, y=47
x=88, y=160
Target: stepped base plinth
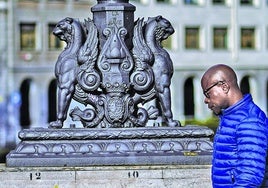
x=131, y=146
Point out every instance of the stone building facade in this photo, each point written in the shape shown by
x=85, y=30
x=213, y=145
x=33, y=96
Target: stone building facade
x=207, y=32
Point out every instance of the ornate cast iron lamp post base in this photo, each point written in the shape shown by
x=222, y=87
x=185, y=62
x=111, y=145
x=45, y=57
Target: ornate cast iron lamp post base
x=88, y=147
x=115, y=67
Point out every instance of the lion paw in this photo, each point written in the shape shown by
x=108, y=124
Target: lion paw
x=56, y=124
x=173, y=123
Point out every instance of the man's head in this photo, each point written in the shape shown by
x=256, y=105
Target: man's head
x=219, y=84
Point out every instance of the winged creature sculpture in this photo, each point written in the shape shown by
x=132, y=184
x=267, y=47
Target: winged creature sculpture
x=74, y=68
x=114, y=82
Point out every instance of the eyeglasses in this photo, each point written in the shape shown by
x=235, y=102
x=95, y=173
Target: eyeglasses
x=206, y=91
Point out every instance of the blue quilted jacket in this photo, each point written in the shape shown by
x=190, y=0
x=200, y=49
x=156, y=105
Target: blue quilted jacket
x=240, y=146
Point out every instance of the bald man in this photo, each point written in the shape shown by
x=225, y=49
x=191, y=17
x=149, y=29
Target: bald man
x=240, y=142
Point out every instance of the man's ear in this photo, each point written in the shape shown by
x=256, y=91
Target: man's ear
x=225, y=87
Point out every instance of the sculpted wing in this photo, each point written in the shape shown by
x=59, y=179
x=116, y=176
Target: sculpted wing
x=87, y=77
x=142, y=77
x=89, y=50
x=141, y=51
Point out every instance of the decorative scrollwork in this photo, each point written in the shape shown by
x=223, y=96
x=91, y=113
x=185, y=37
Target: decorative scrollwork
x=89, y=80
x=113, y=82
x=141, y=79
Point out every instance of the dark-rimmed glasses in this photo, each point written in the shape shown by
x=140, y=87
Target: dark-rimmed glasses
x=206, y=91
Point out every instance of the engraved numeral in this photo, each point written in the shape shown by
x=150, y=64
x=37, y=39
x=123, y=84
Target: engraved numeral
x=35, y=176
x=134, y=174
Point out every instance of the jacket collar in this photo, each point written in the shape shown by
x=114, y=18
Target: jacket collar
x=244, y=101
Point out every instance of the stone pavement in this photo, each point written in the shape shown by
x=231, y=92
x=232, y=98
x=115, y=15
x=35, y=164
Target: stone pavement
x=157, y=176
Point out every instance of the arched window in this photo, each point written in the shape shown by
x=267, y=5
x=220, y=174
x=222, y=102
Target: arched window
x=52, y=101
x=25, y=120
x=244, y=85
x=189, y=98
